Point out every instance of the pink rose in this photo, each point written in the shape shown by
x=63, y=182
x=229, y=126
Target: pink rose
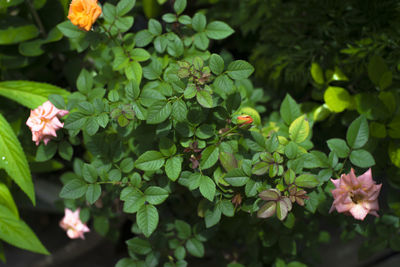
x=73, y=224
x=44, y=122
x=357, y=196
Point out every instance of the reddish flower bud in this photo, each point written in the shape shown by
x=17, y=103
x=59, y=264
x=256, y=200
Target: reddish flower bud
x=244, y=119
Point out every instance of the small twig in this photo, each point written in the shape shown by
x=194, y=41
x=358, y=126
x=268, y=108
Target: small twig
x=37, y=18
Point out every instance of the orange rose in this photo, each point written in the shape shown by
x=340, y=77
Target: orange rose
x=83, y=13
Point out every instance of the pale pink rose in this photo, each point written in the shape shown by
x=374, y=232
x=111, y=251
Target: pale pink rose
x=44, y=122
x=357, y=196
x=73, y=224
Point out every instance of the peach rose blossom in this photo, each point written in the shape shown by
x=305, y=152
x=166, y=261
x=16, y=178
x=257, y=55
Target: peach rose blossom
x=73, y=224
x=356, y=196
x=44, y=122
x=83, y=13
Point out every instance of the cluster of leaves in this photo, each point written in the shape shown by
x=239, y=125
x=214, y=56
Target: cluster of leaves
x=157, y=113
x=349, y=48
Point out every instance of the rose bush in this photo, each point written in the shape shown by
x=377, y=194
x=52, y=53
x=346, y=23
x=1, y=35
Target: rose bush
x=163, y=132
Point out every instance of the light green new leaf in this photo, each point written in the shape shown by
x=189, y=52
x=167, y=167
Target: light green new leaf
x=299, y=129
x=30, y=94
x=337, y=99
x=147, y=219
x=317, y=73
x=150, y=161
x=218, y=30
x=13, y=160
x=17, y=233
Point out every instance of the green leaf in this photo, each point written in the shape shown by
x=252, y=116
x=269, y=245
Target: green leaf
x=74, y=189
x=155, y=27
x=306, y=180
x=150, y=161
x=139, y=54
x=207, y=187
x=299, y=129
x=317, y=73
x=93, y=193
x=195, y=247
x=7, y=200
x=84, y=83
x=337, y=99
x=236, y=177
x=133, y=71
x=173, y=167
x=34, y=48
x=127, y=165
x=30, y=94
x=13, y=33
x=358, y=133
x=179, y=6
x=17, y=233
x=204, y=98
x=338, y=146
x=228, y=160
x=124, y=6
x=362, y=158
x=218, y=30
x=184, y=230
x=153, y=71
x=13, y=160
x=289, y=110
x=199, y=22
x=147, y=219
x=143, y=38
x=209, y=157
x=240, y=69
x=159, y=112
x=216, y=64
x=46, y=152
x=226, y=207
x=179, y=110
x=70, y=30
x=133, y=199
x=212, y=217
x=155, y=195
x=139, y=246
x=89, y=173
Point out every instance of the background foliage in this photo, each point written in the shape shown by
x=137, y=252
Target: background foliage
x=152, y=139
